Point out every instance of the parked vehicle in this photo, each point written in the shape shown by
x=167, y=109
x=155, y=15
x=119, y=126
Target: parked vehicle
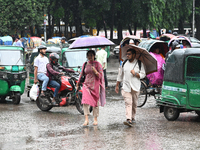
x=180, y=89
x=73, y=58
x=195, y=42
x=116, y=51
x=12, y=73
x=67, y=95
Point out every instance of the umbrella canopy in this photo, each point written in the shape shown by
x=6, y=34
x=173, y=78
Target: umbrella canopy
x=150, y=63
x=90, y=42
x=7, y=40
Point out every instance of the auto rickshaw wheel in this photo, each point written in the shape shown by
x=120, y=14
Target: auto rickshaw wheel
x=3, y=99
x=197, y=112
x=16, y=98
x=42, y=106
x=170, y=113
x=142, y=97
x=79, y=106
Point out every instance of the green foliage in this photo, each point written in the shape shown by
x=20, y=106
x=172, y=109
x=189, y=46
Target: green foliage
x=16, y=15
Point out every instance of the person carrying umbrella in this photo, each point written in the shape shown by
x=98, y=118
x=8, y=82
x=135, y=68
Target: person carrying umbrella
x=130, y=74
x=101, y=57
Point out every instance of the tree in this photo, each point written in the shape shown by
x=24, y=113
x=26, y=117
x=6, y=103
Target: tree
x=16, y=15
x=197, y=20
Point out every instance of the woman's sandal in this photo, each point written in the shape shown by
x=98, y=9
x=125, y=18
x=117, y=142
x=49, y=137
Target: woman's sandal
x=95, y=123
x=86, y=123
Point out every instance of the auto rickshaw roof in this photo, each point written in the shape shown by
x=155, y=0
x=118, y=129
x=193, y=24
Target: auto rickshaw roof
x=175, y=65
x=51, y=49
x=72, y=50
x=9, y=47
x=149, y=45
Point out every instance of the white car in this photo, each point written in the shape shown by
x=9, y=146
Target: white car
x=194, y=41
x=116, y=51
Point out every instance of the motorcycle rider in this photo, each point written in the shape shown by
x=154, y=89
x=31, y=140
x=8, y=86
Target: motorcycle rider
x=53, y=73
x=40, y=68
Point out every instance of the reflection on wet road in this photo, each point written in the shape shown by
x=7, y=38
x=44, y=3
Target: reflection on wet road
x=24, y=126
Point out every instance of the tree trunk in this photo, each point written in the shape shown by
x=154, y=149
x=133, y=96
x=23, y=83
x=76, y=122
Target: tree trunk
x=104, y=26
x=31, y=29
x=144, y=32
x=52, y=28
x=59, y=31
x=22, y=33
x=159, y=31
x=119, y=33
x=130, y=30
x=70, y=30
x=66, y=30
x=113, y=18
x=77, y=18
x=180, y=27
x=49, y=33
x=135, y=28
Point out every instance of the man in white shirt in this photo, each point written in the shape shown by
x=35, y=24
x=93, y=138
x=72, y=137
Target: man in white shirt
x=19, y=42
x=101, y=57
x=40, y=69
x=130, y=74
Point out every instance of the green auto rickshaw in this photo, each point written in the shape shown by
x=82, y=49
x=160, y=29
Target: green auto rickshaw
x=73, y=58
x=34, y=54
x=181, y=85
x=12, y=73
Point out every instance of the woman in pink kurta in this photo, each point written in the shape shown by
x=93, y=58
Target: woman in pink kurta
x=93, y=90
x=156, y=78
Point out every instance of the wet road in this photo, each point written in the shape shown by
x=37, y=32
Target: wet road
x=25, y=127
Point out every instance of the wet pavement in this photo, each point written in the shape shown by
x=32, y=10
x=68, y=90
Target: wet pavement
x=25, y=127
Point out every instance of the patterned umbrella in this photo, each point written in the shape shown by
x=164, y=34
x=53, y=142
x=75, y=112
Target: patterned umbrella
x=150, y=63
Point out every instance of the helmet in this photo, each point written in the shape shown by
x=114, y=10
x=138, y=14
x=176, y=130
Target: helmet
x=53, y=57
x=174, y=44
x=41, y=47
x=63, y=38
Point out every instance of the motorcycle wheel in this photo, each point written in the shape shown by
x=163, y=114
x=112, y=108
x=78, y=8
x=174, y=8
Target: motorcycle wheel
x=42, y=106
x=79, y=106
x=16, y=98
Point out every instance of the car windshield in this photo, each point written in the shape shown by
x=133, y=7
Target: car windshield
x=8, y=57
x=74, y=59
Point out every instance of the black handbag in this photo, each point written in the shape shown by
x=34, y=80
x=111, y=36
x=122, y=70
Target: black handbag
x=83, y=75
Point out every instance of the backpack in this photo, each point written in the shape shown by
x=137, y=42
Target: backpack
x=139, y=64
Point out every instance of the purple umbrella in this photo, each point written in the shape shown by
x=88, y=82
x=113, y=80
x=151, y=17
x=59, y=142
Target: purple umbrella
x=91, y=42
